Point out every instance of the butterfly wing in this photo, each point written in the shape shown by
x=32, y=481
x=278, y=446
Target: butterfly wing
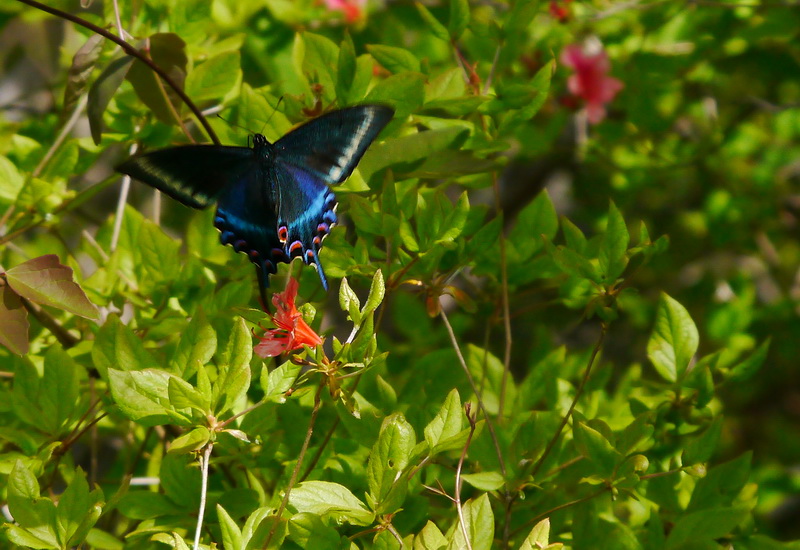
x=323, y=151
x=331, y=145
x=195, y=175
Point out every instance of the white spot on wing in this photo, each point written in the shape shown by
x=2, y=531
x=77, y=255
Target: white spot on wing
x=351, y=149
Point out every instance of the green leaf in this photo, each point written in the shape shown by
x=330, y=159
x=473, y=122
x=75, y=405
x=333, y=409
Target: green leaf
x=33, y=513
x=746, y=369
x=143, y=396
x=613, y=246
x=310, y=531
x=441, y=432
x=45, y=281
x=485, y=481
x=116, y=346
x=182, y=395
x=349, y=302
x=346, y=72
x=594, y=446
x=395, y=60
x=190, y=441
x=11, y=181
x=231, y=534
x=377, y=290
x=438, y=30
x=168, y=51
x=214, y=78
x=405, y=92
x=479, y=521
x=332, y=500
x=721, y=485
x=319, y=62
x=278, y=381
x=159, y=254
x=430, y=538
x=674, y=340
x=103, y=90
x=536, y=219
x=700, y=448
x=73, y=506
x=60, y=390
x=388, y=459
x=234, y=374
x=539, y=536
x=197, y=345
x=707, y=524
x=409, y=149
x=459, y=17
x=14, y=320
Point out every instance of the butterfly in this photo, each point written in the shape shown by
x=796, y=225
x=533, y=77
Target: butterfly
x=273, y=200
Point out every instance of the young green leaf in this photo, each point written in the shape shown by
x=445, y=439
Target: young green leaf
x=277, y=382
x=613, y=246
x=701, y=447
x=332, y=500
x=438, y=30
x=377, y=290
x=103, y=90
x=190, y=441
x=396, y=60
x=231, y=534
x=214, y=78
x=674, y=340
x=388, y=459
x=439, y=433
x=479, y=521
x=459, y=17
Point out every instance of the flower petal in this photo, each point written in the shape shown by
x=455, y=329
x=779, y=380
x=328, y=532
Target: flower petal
x=273, y=343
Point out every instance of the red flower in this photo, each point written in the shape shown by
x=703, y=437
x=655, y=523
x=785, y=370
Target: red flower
x=353, y=9
x=292, y=332
x=560, y=11
x=591, y=81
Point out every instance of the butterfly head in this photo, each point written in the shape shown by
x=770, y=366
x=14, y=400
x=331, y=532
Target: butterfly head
x=260, y=144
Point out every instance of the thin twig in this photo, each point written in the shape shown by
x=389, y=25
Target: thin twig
x=464, y=366
x=578, y=392
x=204, y=459
x=62, y=135
x=62, y=335
x=296, y=471
x=506, y=306
x=132, y=51
x=462, y=522
x=537, y=519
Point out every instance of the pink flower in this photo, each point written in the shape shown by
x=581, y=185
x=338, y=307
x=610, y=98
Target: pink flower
x=292, y=332
x=591, y=81
x=353, y=9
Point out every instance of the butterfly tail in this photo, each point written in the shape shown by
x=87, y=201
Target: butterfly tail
x=321, y=273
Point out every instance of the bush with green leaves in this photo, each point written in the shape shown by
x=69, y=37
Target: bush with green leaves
x=553, y=303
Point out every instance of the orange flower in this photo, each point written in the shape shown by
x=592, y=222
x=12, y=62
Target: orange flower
x=292, y=332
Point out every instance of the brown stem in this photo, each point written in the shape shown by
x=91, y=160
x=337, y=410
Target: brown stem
x=578, y=392
x=62, y=335
x=296, y=471
x=132, y=51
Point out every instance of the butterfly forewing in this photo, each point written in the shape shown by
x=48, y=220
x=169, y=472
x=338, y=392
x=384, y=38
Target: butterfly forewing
x=192, y=174
x=331, y=145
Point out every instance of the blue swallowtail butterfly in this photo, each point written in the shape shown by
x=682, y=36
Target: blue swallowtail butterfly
x=273, y=200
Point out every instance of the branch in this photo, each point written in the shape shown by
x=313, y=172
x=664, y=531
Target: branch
x=133, y=52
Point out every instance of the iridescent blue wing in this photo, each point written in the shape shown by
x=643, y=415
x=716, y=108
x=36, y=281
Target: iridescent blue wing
x=323, y=151
x=331, y=145
x=192, y=174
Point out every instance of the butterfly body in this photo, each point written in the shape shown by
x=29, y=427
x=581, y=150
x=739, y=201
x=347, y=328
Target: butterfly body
x=273, y=200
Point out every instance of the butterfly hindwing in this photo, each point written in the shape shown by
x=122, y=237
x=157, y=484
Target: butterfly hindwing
x=306, y=214
x=192, y=174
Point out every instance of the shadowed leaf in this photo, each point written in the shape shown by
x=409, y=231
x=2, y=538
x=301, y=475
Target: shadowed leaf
x=14, y=320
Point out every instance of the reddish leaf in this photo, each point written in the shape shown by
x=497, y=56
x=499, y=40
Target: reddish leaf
x=45, y=281
x=14, y=320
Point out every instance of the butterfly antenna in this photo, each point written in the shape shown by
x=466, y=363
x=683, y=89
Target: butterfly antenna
x=275, y=110
x=231, y=123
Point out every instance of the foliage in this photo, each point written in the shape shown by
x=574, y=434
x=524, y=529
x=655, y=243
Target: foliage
x=548, y=332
